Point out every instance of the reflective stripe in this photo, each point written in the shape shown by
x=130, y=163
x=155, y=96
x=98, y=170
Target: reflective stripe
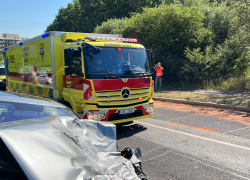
x=158, y=72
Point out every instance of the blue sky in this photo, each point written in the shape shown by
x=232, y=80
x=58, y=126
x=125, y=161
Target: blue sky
x=28, y=18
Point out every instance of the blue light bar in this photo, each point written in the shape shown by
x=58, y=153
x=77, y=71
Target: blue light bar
x=5, y=49
x=20, y=44
x=45, y=35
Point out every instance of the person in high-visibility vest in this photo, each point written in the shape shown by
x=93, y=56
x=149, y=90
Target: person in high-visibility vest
x=159, y=73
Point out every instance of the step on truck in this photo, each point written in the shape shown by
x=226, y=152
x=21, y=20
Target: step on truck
x=100, y=76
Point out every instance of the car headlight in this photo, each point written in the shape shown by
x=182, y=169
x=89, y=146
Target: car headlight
x=149, y=107
x=1, y=80
x=96, y=115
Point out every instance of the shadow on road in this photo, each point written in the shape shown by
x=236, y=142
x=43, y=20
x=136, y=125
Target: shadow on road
x=130, y=130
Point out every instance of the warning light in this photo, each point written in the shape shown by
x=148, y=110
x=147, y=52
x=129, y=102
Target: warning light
x=111, y=39
x=119, y=49
x=140, y=98
x=45, y=35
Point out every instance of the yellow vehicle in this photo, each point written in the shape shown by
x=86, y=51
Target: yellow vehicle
x=100, y=76
x=2, y=76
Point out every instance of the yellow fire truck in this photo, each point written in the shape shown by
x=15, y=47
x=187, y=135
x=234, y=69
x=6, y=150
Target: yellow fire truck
x=100, y=76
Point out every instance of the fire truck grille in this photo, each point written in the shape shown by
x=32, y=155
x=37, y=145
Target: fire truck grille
x=106, y=98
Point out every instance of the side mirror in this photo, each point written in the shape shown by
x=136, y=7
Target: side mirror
x=138, y=153
x=96, y=51
x=152, y=69
x=152, y=58
x=90, y=48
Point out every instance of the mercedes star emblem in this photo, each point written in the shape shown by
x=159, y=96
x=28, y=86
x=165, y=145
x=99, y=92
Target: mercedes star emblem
x=125, y=93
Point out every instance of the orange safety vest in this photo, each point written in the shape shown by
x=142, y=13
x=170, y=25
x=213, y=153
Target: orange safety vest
x=158, y=72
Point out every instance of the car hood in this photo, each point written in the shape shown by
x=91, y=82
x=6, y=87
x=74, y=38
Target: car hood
x=59, y=148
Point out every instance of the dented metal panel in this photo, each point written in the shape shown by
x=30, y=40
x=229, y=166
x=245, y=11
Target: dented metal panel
x=64, y=148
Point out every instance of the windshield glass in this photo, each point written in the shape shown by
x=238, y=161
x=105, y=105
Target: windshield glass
x=116, y=62
x=12, y=111
x=2, y=71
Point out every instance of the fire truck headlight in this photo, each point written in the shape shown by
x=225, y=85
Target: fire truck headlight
x=96, y=115
x=149, y=108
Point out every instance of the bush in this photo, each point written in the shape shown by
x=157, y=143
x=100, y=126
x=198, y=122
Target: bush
x=198, y=42
x=168, y=30
x=112, y=26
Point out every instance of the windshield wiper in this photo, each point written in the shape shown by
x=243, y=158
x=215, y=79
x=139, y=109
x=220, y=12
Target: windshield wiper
x=105, y=72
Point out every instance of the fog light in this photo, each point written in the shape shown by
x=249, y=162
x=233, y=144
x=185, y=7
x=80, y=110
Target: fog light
x=96, y=115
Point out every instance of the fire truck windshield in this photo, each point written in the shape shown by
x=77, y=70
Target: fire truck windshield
x=117, y=62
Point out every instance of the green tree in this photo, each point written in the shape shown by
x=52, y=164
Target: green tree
x=112, y=26
x=67, y=19
x=230, y=59
x=87, y=14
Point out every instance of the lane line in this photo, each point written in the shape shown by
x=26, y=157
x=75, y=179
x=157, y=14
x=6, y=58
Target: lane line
x=155, y=157
x=212, y=166
x=192, y=157
x=199, y=137
x=220, y=169
x=236, y=130
x=152, y=150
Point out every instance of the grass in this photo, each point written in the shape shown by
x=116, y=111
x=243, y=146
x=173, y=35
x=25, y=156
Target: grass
x=235, y=84
x=211, y=98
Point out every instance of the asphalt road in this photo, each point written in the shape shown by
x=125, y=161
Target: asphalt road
x=183, y=145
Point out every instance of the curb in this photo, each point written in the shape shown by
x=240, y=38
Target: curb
x=180, y=101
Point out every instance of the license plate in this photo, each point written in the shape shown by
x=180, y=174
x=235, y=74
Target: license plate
x=126, y=111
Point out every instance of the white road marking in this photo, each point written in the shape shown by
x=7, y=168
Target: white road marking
x=195, y=159
x=156, y=157
x=213, y=166
x=152, y=150
x=236, y=130
x=199, y=137
x=223, y=170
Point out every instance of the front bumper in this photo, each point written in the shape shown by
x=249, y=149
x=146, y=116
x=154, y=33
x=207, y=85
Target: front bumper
x=113, y=116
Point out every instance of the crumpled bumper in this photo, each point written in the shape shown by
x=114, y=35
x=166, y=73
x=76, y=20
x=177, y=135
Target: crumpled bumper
x=60, y=148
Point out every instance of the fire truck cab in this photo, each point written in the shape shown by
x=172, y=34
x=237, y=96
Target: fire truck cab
x=100, y=76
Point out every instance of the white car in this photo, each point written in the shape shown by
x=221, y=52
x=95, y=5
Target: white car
x=43, y=139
